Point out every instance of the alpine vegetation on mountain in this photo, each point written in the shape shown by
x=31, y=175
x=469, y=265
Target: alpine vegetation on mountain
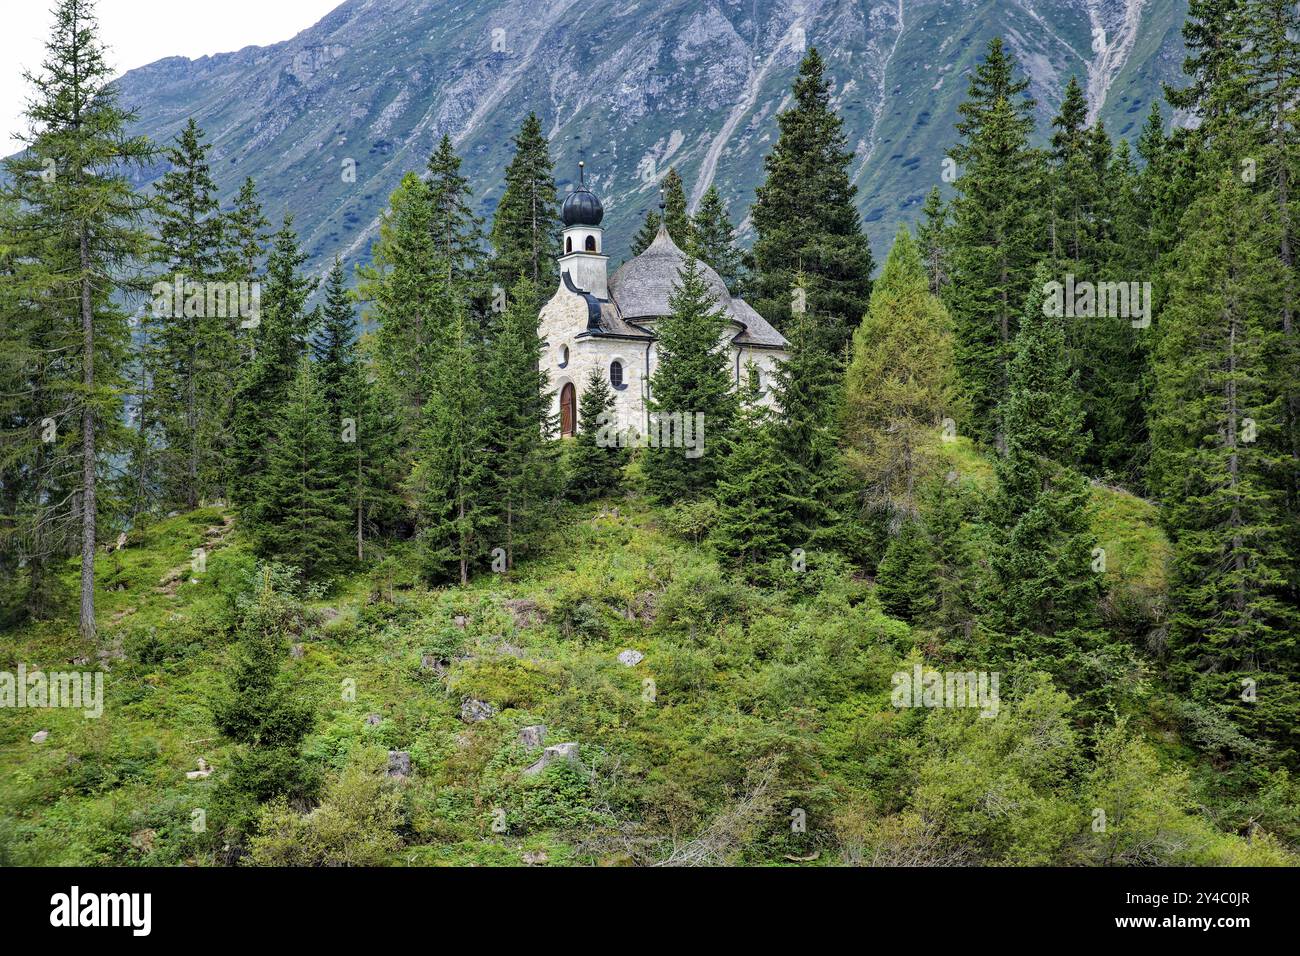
x=464, y=549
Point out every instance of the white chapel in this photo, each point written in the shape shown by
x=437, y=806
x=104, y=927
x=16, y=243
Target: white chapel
x=607, y=324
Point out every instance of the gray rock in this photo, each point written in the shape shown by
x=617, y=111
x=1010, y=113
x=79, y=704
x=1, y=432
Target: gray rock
x=373, y=720
x=630, y=658
x=461, y=621
x=399, y=764
x=533, y=737
x=560, y=752
x=472, y=711
x=297, y=652
x=431, y=662
x=39, y=736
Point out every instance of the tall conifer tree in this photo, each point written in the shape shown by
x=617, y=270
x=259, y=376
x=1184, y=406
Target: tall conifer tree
x=993, y=240
x=526, y=228
x=691, y=378
x=806, y=219
x=713, y=239
x=192, y=352
x=83, y=241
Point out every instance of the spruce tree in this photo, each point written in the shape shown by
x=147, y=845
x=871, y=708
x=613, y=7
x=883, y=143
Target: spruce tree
x=82, y=242
x=646, y=234
x=359, y=416
x=1044, y=589
x=596, y=461
x=526, y=228
x=819, y=501
x=1218, y=443
x=806, y=219
x=993, y=240
x=521, y=472
x=900, y=385
x=713, y=239
x=691, y=379
x=334, y=345
x=457, y=232
x=244, y=235
x=301, y=512
x=448, y=481
x=405, y=294
x=261, y=710
x=192, y=351
x=279, y=342
x=749, y=533
x=37, y=467
x=931, y=236
x=676, y=218
x=907, y=575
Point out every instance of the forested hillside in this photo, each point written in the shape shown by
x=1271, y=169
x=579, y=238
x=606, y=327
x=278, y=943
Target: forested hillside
x=999, y=568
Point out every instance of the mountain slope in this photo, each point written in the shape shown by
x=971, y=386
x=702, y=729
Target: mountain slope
x=634, y=87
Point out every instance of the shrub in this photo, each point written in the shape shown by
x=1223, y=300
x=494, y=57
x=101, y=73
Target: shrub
x=356, y=823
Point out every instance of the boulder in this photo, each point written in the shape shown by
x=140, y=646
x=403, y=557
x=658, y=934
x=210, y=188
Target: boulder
x=296, y=652
x=630, y=658
x=142, y=840
x=399, y=764
x=460, y=620
x=472, y=711
x=39, y=736
x=373, y=720
x=203, y=772
x=560, y=752
x=533, y=737
x=535, y=857
x=431, y=662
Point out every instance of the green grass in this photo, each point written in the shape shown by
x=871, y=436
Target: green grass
x=760, y=702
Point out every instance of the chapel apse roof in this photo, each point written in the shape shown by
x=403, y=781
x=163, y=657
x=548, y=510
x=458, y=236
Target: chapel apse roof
x=642, y=287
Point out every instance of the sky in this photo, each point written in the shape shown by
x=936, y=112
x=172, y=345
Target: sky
x=137, y=32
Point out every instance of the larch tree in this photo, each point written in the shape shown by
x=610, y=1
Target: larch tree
x=83, y=245
x=900, y=386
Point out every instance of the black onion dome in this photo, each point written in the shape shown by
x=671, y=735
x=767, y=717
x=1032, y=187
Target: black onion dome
x=582, y=208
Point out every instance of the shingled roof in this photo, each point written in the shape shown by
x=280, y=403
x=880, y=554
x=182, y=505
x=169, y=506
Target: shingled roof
x=642, y=287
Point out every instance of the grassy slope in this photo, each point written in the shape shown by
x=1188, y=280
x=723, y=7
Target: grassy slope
x=739, y=675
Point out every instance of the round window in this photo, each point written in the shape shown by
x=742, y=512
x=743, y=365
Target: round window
x=616, y=374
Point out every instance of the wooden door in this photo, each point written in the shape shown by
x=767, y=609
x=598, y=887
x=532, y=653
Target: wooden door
x=568, y=411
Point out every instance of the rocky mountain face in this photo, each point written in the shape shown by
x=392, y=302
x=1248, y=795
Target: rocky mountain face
x=328, y=122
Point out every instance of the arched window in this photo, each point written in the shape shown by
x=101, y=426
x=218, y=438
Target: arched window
x=564, y=356
x=591, y=243
x=568, y=244
x=616, y=374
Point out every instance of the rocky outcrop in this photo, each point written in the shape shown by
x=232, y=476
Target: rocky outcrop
x=328, y=122
x=560, y=752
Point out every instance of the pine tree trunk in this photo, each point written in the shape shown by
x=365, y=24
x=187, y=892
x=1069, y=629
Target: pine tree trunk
x=87, y=623
x=360, y=542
